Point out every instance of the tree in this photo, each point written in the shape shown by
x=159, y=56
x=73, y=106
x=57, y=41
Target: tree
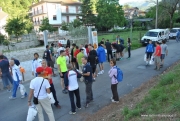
x=46, y=26
x=76, y=23
x=126, y=6
x=170, y=6
x=64, y=26
x=110, y=13
x=88, y=18
x=15, y=26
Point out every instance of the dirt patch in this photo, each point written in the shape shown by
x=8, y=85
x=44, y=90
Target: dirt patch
x=113, y=112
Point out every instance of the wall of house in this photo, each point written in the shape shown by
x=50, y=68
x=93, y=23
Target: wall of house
x=54, y=9
x=2, y=24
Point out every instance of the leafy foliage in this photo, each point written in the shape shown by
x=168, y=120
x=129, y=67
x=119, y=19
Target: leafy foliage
x=64, y=26
x=46, y=26
x=110, y=13
x=15, y=26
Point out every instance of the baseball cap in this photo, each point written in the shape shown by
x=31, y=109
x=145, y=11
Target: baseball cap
x=39, y=69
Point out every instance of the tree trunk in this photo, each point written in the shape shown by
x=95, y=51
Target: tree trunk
x=17, y=38
x=171, y=21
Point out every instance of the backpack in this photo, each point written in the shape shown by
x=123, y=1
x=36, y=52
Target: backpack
x=119, y=74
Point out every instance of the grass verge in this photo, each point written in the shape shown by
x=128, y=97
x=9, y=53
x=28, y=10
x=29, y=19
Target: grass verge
x=156, y=100
x=136, y=36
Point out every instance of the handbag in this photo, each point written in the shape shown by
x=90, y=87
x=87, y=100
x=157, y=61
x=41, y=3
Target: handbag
x=35, y=100
x=51, y=98
x=32, y=112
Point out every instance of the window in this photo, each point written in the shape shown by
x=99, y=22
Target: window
x=54, y=17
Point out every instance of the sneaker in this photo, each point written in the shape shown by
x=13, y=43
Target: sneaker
x=8, y=90
x=113, y=101
x=86, y=105
x=78, y=108
x=12, y=98
x=65, y=91
x=94, y=79
x=72, y=113
x=23, y=96
x=100, y=73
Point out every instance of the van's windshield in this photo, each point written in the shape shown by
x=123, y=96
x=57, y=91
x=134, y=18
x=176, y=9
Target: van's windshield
x=151, y=34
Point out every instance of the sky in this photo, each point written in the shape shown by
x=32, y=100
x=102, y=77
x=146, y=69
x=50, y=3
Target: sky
x=122, y=2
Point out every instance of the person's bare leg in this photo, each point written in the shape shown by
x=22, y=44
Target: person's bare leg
x=62, y=83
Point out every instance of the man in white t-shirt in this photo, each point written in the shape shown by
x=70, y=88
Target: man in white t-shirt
x=82, y=47
x=59, y=49
x=36, y=62
x=70, y=80
x=43, y=100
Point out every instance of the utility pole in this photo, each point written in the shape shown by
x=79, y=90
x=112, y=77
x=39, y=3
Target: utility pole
x=156, y=24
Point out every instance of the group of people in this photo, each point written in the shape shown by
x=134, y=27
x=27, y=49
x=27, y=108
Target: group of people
x=157, y=54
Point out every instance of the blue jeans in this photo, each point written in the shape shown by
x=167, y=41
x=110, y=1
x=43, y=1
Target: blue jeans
x=15, y=87
x=5, y=78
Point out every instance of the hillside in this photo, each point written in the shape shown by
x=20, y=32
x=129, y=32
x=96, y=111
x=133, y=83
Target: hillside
x=16, y=7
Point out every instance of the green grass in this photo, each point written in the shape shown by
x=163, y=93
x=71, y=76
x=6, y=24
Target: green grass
x=164, y=98
x=136, y=36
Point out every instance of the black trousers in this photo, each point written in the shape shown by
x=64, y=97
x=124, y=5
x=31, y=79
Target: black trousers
x=78, y=100
x=89, y=93
x=52, y=89
x=109, y=52
x=129, y=52
x=115, y=92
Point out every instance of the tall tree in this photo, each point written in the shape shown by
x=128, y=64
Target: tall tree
x=15, y=26
x=170, y=6
x=46, y=26
x=87, y=13
x=110, y=13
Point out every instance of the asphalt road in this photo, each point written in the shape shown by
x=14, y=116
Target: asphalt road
x=135, y=73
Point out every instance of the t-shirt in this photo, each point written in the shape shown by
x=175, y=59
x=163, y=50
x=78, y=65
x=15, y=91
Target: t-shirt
x=72, y=77
x=76, y=52
x=108, y=45
x=61, y=60
x=47, y=55
x=92, y=57
x=158, y=48
x=87, y=68
x=47, y=71
x=36, y=84
x=59, y=49
x=79, y=56
x=4, y=65
x=164, y=48
x=52, y=51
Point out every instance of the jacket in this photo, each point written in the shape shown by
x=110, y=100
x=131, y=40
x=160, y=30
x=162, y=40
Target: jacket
x=101, y=54
x=16, y=73
x=113, y=72
x=150, y=48
x=35, y=64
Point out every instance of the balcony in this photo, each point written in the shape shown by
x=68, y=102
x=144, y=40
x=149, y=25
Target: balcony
x=74, y=12
x=39, y=12
x=37, y=23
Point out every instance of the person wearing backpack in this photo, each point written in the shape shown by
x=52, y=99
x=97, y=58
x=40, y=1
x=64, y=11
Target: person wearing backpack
x=149, y=52
x=113, y=74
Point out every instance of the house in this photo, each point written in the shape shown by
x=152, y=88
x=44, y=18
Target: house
x=133, y=12
x=56, y=11
x=3, y=20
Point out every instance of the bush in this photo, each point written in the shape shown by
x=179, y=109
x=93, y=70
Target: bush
x=6, y=42
x=176, y=25
x=2, y=38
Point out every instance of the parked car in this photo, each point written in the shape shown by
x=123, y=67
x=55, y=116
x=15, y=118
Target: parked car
x=173, y=33
x=155, y=35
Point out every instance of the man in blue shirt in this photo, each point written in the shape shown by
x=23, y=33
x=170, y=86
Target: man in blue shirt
x=4, y=57
x=178, y=36
x=4, y=72
x=88, y=80
x=119, y=40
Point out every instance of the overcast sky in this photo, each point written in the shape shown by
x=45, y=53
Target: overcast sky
x=122, y=2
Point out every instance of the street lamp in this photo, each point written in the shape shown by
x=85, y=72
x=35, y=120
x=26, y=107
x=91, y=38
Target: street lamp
x=156, y=25
x=131, y=19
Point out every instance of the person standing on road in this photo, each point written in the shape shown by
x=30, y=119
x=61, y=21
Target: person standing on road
x=92, y=59
x=39, y=87
x=62, y=67
x=79, y=57
x=178, y=36
x=17, y=79
x=73, y=60
x=53, y=54
x=109, y=49
x=119, y=40
x=149, y=52
x=67, y=55
x=117, y=48
x=48, y=76
x=114, y=82
x=5, y=73
x=157, y=56
x=101, y=57
x=87, y=74
x=70, y=80
x=82, y=47
x=75, y=56
x=36, y=62
x=164, y=52
x=48, y=56
x=129, y=48
x=4, y=57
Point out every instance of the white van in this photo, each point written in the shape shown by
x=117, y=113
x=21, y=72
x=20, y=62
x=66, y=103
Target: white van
x=155, y=35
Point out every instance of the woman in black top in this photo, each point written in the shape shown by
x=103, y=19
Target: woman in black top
x=118, y=50
x=129, y=48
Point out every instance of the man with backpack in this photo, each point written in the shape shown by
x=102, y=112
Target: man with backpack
x=70, y=80
x=48, y=57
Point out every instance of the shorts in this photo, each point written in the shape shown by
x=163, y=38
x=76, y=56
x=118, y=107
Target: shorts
x=73, y=59
x=63, y=74
x=50, y=64
x=149, y=54
x=162, y=56
x=157, y=59
x=118, y=50
x=93, y=68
